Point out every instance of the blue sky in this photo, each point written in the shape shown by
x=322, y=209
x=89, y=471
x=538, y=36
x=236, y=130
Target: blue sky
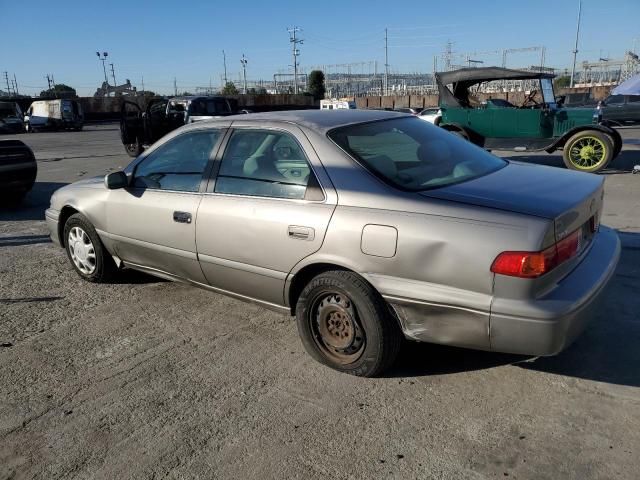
x=162, y=40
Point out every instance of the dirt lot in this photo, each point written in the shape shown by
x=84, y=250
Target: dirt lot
x=151, y=379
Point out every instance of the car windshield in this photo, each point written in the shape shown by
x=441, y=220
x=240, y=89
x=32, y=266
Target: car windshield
x=412, y=155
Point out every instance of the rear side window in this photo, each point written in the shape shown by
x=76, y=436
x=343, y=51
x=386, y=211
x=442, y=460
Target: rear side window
x=613, y=99
x=412, y=155
x=634, y=98
x=265, y=163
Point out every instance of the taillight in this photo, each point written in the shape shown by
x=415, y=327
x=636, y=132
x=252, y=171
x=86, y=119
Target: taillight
x=536, y=264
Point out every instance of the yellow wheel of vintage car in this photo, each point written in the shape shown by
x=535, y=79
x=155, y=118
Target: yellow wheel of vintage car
x=588, y=151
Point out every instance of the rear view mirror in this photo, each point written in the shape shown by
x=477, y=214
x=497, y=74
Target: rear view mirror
x=116, y=180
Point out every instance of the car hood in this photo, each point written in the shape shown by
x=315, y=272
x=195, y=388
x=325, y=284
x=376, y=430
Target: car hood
x=537, y=190
x=89, y=182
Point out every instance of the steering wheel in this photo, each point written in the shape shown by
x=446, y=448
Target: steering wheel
x=530, y=99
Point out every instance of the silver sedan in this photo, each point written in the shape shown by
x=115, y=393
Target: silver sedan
x=369, y=226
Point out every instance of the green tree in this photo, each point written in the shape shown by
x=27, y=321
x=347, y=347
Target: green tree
x=562, y=82
x=230, y=89
x=316, y=84
x=59, y=90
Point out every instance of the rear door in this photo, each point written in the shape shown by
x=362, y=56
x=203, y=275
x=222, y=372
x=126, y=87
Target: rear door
x=632, y=109
x=614, y=108
x=268, y=208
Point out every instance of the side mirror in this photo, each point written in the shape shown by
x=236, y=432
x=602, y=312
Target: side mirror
x=115, y=180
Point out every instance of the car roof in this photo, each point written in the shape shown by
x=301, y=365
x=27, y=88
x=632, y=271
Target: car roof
x=317, y=120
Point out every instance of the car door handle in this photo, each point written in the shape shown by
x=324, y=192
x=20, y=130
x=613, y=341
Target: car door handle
x=182, y=217
x=301, y=233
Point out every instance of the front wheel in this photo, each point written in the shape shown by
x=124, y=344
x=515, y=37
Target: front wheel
x=134, y=149
x=588, y=151
x=345, y=324
x=86, y=252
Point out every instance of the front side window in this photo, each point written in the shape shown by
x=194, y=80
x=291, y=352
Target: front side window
x=412, y=155
x=264, y=163
x=177, y=165
x=634, y=98
x=613, y=99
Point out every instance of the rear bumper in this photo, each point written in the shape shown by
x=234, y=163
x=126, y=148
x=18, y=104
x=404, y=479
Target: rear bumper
x=547, y=325
x=51, y=217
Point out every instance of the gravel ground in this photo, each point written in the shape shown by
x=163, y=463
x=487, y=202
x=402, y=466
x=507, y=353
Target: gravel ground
x=151, y=379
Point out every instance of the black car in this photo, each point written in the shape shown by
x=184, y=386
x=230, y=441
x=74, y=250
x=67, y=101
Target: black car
x=621, y=109
x=140, y=127
x=18, y=170
x=617, y=110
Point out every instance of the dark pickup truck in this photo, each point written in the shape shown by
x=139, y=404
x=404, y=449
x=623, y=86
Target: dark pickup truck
x=142, y=126
x=617, y=110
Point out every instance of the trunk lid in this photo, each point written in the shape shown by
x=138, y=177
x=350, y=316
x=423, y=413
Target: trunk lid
x=568, y=198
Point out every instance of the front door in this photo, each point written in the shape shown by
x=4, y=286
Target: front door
x=265, y=211
x=152, y=223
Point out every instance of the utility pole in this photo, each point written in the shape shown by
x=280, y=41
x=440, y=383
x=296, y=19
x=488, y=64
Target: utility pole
x=224, y=61
x=294, y=42
x=6, y=78
x=143, y=84
x=103, y=57
x=113, y=73
x=244, y=61
x=575, y=50
x=386, y=63
x=15, y=85
x=175, y=87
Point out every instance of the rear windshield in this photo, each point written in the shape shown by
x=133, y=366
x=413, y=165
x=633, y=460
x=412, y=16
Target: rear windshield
x=413, y=155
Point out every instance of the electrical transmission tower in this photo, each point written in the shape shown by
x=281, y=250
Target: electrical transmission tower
x=296, y=52
x=6, y=78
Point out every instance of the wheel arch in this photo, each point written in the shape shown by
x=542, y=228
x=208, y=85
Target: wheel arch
x=474, y=137
x=296, y=283
x=66, y=212
x=617, y=139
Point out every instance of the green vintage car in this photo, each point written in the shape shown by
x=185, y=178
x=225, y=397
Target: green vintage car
x=538, y=124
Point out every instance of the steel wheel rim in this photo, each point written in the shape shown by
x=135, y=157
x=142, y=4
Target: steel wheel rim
x=587, y=152
x=82, y=251
x=336, y=329
x=131, y=147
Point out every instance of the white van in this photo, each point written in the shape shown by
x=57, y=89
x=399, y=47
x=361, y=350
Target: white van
x=337, y=104
x=54, y=115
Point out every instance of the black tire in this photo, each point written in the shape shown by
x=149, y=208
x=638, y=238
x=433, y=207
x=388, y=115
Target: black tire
x=104, y=268
x=603, y=145
x=461, y=134
x=134, y=149
x=14, y=198
x=363, y=319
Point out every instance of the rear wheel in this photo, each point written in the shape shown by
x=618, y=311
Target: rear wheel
x=345, y=324
x=588, y=151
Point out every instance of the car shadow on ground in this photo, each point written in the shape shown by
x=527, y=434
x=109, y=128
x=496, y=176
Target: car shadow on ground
x=606, y=352
x=32, y=207
x=623, y=163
